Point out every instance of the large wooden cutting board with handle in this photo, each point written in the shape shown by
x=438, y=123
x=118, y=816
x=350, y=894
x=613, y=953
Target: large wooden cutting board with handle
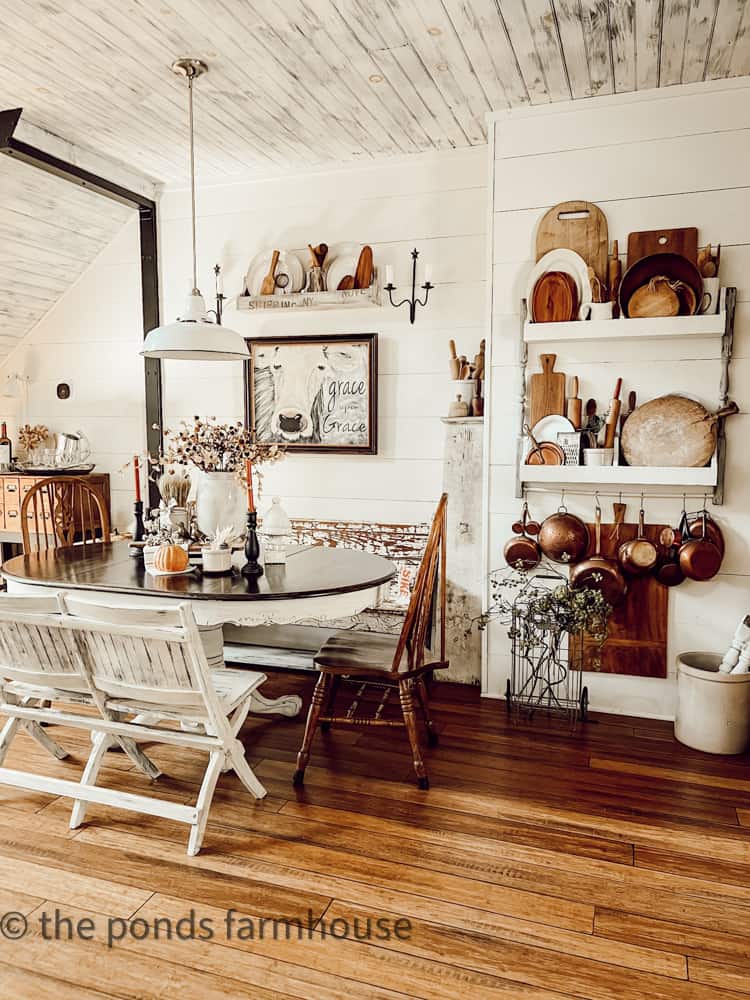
x=637, y=641
x=682, y=241
x=579, y=226
x=546, y=391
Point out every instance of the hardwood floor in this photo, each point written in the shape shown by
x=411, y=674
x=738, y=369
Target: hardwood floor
x=613, y=864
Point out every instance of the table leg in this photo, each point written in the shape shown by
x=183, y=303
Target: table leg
x=289, y=705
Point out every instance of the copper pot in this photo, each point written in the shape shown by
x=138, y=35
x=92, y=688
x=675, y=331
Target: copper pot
x=563, y=537
x=700, y=558
x=713, y=531
x=598, y=572
x=639, y=555
x=522, y=552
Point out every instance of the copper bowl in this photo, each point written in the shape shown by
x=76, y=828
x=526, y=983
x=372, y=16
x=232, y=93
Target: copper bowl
x=673, y=266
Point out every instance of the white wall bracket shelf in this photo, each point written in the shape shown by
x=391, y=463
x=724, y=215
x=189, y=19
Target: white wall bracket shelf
x=355, y=298
x=710, y=477
x=670, y=327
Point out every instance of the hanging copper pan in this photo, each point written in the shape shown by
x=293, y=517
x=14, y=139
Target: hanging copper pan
x=563, y=537
x=520, y=551
x=700, y=559
x=598, y=572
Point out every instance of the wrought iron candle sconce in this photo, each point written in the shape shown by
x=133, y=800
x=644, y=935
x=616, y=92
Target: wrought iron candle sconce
x=218, y=294
x=412, y=302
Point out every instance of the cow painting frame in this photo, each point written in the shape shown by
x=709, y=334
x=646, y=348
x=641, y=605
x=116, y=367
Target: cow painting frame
x=331, y=401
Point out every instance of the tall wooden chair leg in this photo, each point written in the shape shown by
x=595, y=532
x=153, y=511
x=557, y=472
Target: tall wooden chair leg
x=316, y=707
x=424, y=704
x=331, y=702
x=203, y=803
x=405, y=690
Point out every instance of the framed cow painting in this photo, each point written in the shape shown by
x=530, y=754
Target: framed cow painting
x=314, y=393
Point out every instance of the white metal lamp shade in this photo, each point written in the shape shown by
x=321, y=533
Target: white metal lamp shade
x=194, y=338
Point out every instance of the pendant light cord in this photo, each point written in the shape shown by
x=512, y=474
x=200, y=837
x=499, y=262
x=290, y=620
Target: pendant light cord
x=190, y=76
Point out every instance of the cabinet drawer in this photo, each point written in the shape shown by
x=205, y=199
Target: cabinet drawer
x=11, y=491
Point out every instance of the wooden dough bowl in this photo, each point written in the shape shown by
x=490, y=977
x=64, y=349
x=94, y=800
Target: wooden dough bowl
x=671, y=431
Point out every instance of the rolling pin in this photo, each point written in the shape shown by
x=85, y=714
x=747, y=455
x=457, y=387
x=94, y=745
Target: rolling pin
x=455, y=364
x=614, y=416
x=574, y=404
x=614, y=278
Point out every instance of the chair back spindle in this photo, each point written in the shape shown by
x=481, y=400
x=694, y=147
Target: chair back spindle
x=430, y=576
x=61, y=511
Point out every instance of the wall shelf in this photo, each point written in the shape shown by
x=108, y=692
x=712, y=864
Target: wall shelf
x=711, y=478
x=355, y=298
x=712, y=325
x=620, y=475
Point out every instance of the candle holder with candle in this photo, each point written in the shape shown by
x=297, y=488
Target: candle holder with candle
x=138, y=526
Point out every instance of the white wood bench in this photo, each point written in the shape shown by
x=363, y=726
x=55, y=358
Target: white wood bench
x=137, y=668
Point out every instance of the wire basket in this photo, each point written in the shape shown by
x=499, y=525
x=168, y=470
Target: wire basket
x=546, y=671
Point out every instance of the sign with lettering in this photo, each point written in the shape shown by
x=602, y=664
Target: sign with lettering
x=314, y=393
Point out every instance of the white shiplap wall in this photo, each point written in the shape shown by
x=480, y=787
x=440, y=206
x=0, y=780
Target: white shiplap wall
x=650, y=161
x=90, y=339
x=435, y=202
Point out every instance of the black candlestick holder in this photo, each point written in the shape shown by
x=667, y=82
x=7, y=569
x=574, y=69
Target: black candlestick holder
x=252, y=567
x=139, y=529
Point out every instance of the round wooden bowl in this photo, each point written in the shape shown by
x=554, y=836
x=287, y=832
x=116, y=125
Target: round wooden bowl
x=673, y=266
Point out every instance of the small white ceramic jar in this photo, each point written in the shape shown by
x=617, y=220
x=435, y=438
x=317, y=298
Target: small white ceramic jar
x=216, y=560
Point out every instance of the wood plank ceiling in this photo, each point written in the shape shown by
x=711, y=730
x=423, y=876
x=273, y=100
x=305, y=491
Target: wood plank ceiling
x=303, y=82
x=50, y=230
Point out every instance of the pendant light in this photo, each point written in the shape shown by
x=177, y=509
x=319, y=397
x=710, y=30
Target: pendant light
x=193, y=337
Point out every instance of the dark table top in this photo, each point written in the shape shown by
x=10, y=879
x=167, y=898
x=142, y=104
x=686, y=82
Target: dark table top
x=314, y=571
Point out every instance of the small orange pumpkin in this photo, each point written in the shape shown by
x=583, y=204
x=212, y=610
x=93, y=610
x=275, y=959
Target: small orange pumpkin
x=171, y=559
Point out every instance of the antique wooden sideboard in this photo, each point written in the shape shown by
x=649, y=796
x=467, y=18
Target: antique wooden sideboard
x=13, y=488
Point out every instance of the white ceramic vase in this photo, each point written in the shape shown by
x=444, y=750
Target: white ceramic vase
x=220, y=502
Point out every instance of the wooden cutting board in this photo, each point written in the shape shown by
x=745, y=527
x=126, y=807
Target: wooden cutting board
x=682, y=241
x=579, y=226
x=637, y=640
x=546, y=390
x=555, y=298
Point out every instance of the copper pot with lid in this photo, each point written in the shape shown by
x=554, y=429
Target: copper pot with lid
x=563, y=537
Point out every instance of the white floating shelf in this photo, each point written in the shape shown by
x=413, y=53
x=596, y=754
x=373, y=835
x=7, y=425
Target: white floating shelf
x=355, y=298
x=712, y=325
x=621, y=475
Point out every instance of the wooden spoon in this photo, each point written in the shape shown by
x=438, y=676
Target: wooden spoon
x=346, y=283
x=269, y=282
x=363, y=273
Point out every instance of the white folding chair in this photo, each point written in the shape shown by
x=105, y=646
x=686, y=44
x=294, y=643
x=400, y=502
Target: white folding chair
x=137, y=663
x=35, y=672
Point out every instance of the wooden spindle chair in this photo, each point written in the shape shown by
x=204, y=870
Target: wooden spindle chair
x=60, y=511
x=387, y=662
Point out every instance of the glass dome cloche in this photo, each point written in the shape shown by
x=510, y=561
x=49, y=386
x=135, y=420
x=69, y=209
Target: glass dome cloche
x=276, y=533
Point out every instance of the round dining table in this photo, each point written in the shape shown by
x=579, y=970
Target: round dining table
x=319, y=582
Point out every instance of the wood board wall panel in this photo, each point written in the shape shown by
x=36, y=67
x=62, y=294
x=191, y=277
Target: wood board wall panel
x=727, y=37
x=649, y=16
x=484, y=36
x=572, y=126
x=301, y=84
x=643, y=169
x=700, y=29
x=624, y=53
x=673, y=41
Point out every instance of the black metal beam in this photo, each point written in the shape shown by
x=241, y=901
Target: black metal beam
x=146, y=207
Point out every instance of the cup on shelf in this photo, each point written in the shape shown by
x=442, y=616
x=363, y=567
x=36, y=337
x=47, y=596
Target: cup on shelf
x=598, y=456
x=711, y=296
x=596, y=310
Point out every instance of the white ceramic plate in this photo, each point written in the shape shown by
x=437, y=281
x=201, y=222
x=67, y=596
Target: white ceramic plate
x=170, y=572
x=339, y=269
x=289, y=263
x=549, y=427
x=562, y=260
